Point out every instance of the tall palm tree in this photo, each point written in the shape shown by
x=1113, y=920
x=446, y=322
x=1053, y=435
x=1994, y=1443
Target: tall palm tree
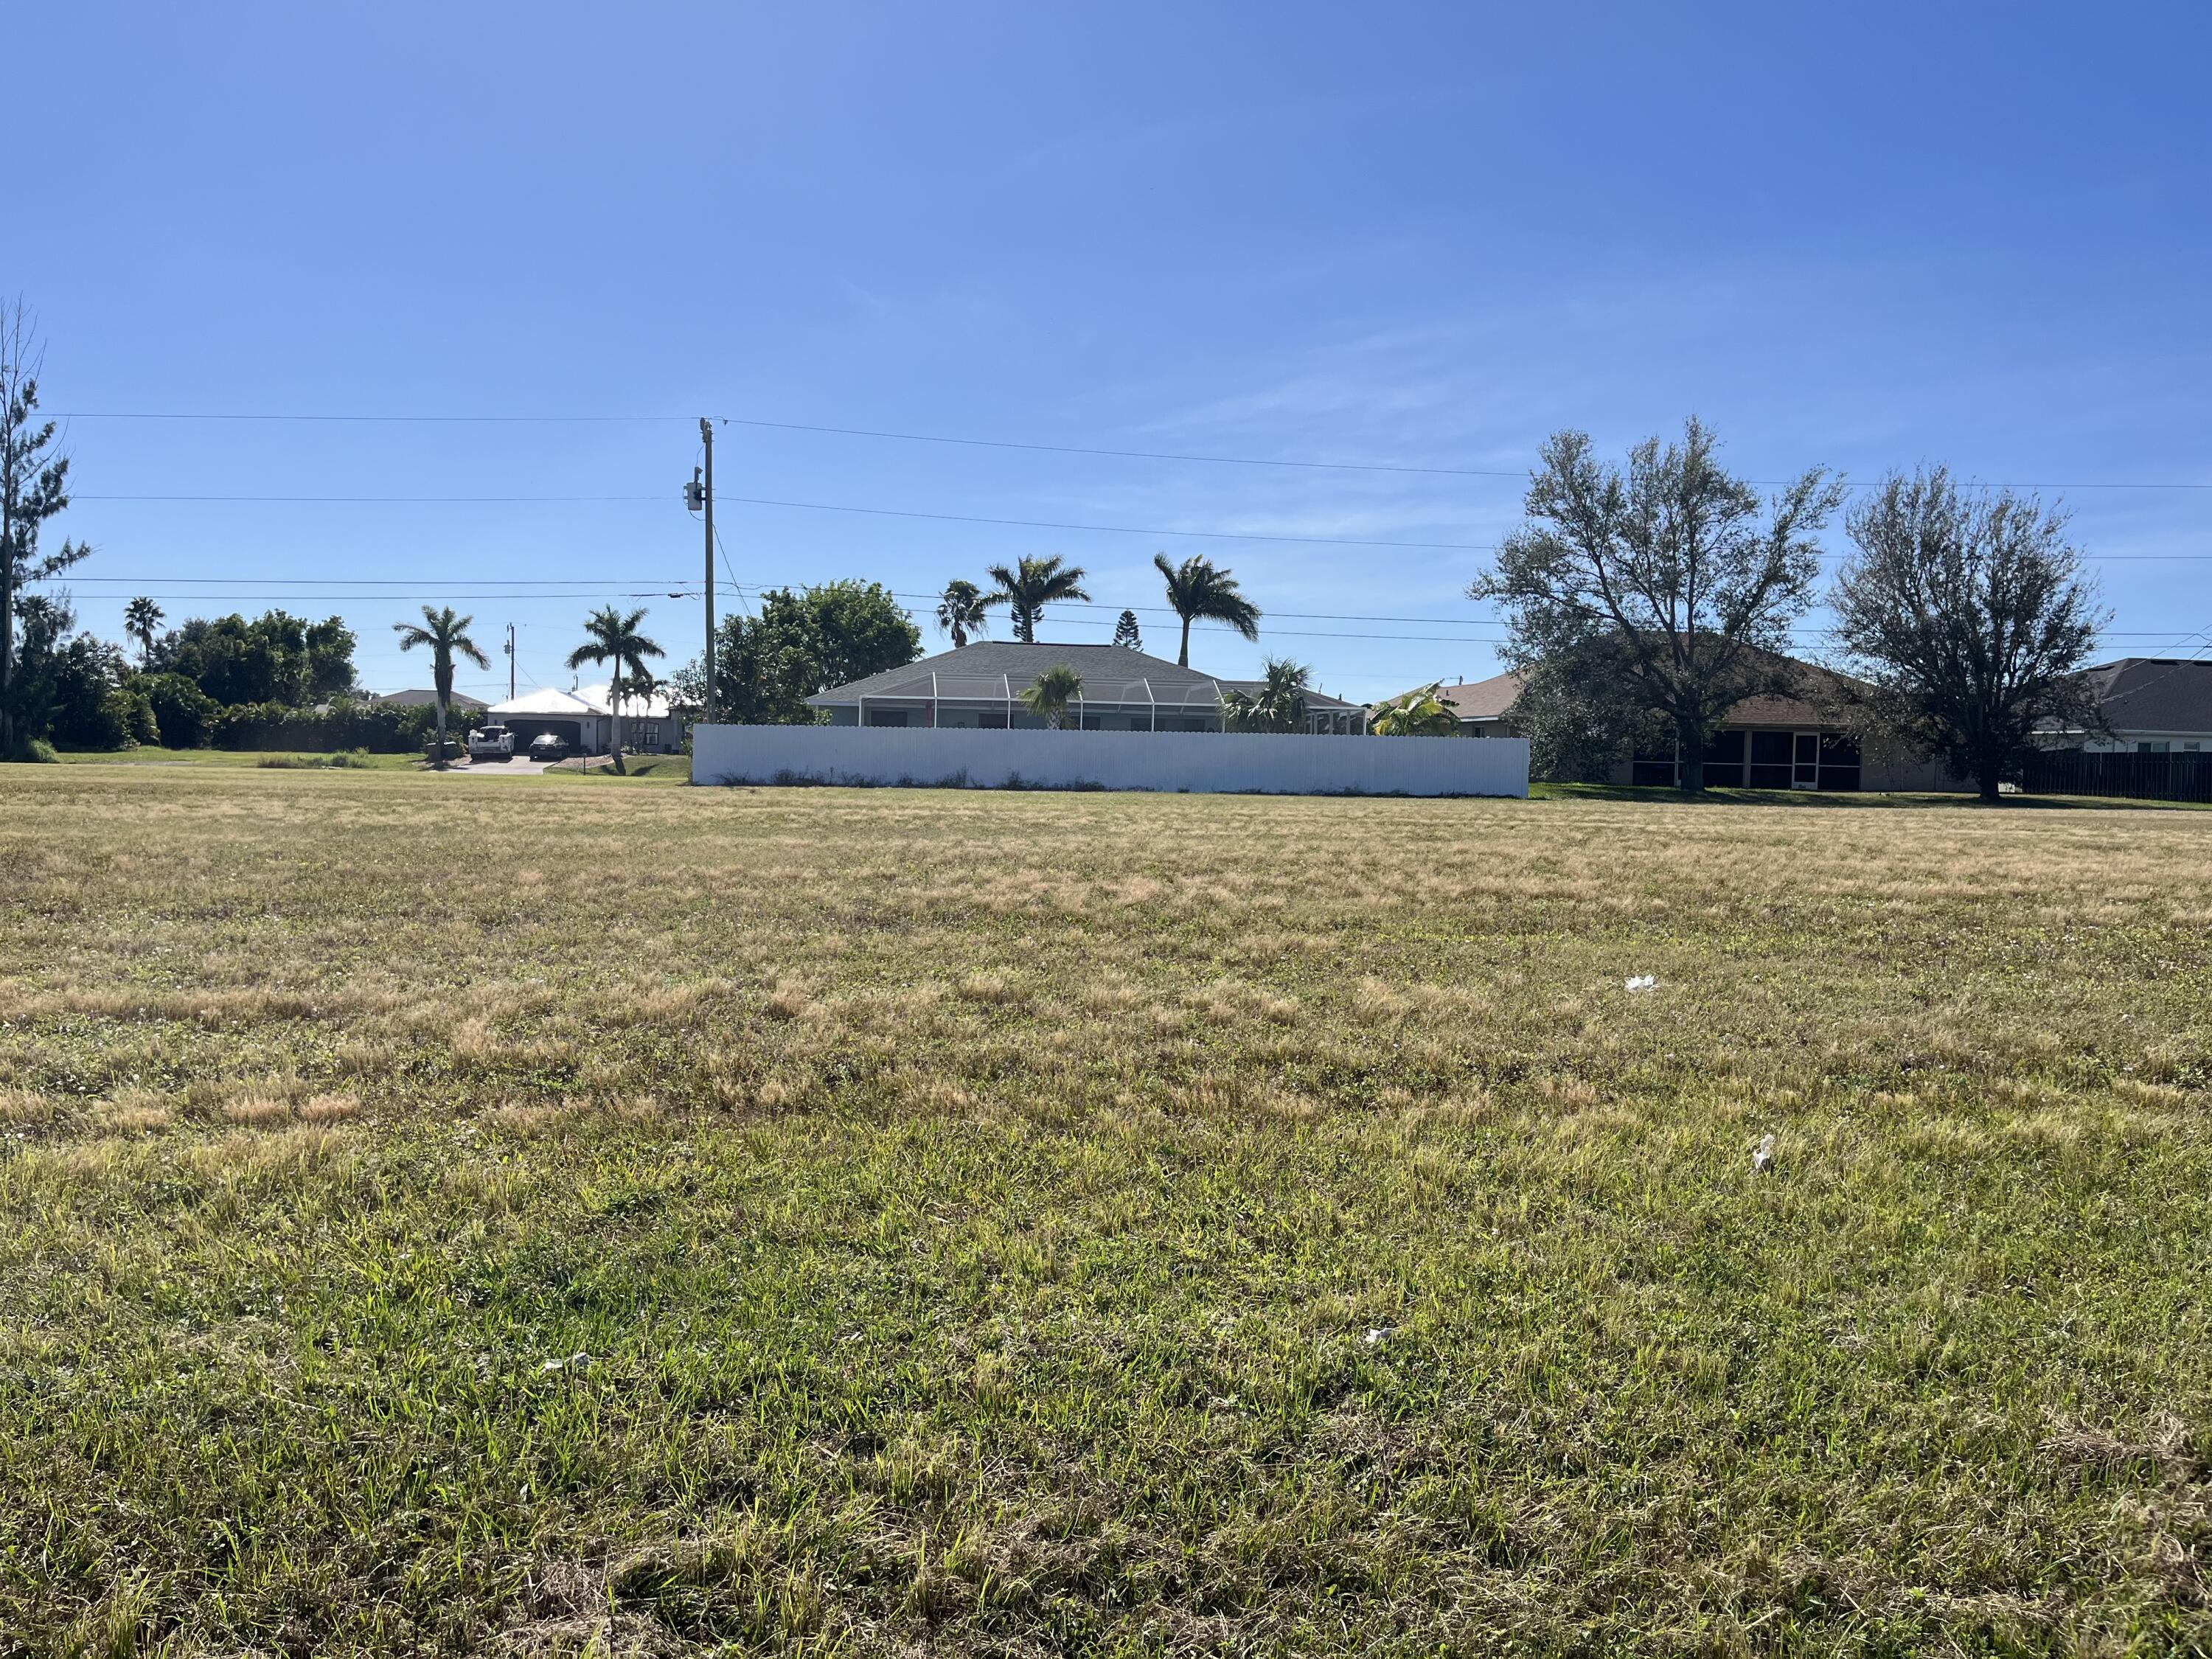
x=445, y=634
x=141, y=617
x=615, y=640
x=1031, y=586
x=1279, y=705
x=1199, y=593
x=964, y=608
x=1054, y=689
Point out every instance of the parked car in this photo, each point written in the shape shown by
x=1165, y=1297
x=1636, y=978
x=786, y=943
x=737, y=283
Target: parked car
x=491, y=743
x=546, y=746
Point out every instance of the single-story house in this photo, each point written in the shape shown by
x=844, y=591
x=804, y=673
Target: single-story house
x=2153, y=706
x=1765, y=743
x=1123, y=690
x=585, y=717
x=460, y=705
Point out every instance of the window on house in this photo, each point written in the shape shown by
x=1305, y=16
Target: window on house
x=992, y=720
x=1652, y=765
x=1771, y=760
x=1724, y=760
x=887, y=716
x=2149, y=747
x=1839, y=761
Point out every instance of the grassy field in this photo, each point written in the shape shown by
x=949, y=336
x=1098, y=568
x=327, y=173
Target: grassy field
x=655, y=769
x=452, y=1218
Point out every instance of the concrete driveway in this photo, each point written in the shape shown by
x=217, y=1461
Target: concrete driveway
x=513, y=769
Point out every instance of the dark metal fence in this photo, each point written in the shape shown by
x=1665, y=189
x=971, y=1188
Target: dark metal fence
x=2129, y=777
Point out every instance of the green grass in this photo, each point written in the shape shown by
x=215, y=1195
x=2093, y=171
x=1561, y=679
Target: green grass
x=239, y=759
x=479, y=1219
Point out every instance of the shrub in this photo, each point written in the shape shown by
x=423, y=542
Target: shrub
x=184, y=716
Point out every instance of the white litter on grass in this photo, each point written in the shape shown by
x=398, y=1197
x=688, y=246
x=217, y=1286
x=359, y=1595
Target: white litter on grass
x=1763, y=1154
x=1374, y=1338
x=1643, y=981
x=560, y=1364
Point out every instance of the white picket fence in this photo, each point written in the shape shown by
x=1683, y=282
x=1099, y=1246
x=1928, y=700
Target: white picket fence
x=1190, y=763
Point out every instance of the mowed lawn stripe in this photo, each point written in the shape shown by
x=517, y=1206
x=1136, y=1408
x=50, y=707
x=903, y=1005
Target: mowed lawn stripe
x=444, y=1220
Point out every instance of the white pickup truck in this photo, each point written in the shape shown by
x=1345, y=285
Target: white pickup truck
x=491, y=743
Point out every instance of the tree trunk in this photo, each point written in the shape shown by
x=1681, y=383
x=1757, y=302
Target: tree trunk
x=440, y=763
x=7, y=654
x=1987, y=778
x=614, y=728
x=1690, y=760
x=1183, y=657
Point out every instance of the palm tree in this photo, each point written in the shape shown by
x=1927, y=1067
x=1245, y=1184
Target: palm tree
x=1030, y=587
x=1280, y=704
x=962, y=609
x=444, y=634
x=1417, y=713
x=140, y=618
x=1054, y=689
x=1199, y=593
x=615, y=640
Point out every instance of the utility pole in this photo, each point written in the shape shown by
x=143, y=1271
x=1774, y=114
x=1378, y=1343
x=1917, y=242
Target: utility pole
x=510, y=662
x=707, y=438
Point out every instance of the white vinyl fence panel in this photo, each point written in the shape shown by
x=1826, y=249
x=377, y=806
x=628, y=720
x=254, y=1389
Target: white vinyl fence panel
x=1192, y=763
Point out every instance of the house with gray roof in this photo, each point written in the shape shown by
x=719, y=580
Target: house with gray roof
x=2153, y=706
x=980, y=685
x=1769, y=741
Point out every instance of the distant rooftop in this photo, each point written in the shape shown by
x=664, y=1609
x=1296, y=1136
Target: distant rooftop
x=992, y=671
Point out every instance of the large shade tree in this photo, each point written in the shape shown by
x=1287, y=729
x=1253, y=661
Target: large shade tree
x=1198, y=592
x=1668, y=588
x=802, y=641
x=1967, y=618
x=446, y=636
x=611, y=637
x=1026, y=588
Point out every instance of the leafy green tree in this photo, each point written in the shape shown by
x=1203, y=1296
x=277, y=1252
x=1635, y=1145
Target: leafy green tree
x=186, y=716
x=142, y=621
x=852, y=629
x=1028, y=587
x=1199, y=592
x=1669, y=582
x=326, y=660
x=1417, y=713
x=1968, y=620
x=963, y=610
x=34, y=488
x=1054, y=689
x=614, y=640
x=766, y=666
x=275, y=658
x=1125, y=632
x=447, y=636
x=1280, y=704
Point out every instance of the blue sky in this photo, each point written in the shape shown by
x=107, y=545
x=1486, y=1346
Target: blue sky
x=1408, y=234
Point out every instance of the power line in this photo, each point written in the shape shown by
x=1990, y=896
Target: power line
x=969, y=518
x=835, y=506
x=977, y=443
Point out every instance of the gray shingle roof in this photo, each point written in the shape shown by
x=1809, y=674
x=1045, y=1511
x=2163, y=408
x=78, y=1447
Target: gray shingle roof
x=2155, y=694
x=989, y=668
